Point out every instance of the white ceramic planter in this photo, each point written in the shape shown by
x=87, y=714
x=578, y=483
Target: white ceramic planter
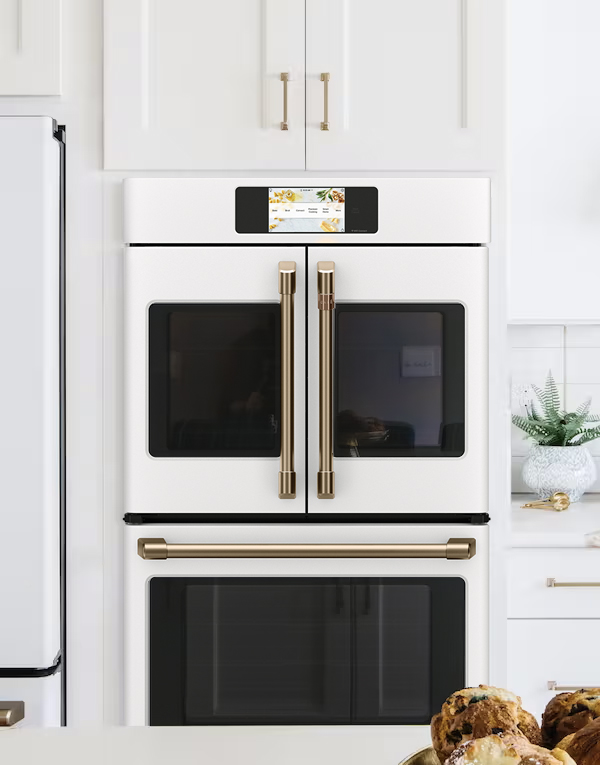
x=559, y=468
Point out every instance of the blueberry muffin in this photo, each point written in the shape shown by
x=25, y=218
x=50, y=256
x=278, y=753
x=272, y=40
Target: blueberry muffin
x=474, y=713
x=506, y=750
x=584, y=746
x=568, y=713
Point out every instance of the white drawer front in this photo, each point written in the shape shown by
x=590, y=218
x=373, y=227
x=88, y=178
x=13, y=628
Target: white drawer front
x=530, y=597
x=41, y=697
x=545, y=650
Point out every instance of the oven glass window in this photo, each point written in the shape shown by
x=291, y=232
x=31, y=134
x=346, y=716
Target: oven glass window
x=214, y=380
x=400, y=380
x=300, y=651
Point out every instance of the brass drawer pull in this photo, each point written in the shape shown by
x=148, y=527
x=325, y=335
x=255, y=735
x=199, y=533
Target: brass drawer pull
x=552, y=686
x=325, y=76
x=287, y=288
x=11, y=712
x=325, y=304
x=553, y=583
x=454, y=549
x=285, y=77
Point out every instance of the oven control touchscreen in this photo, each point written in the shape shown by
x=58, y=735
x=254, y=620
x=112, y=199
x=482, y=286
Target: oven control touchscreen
x=303, y=211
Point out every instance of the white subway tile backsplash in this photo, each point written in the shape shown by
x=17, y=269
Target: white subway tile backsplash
x=531, y=365
x=536, y=336
x=573, y=355
x=583, y=336
x=583, y=365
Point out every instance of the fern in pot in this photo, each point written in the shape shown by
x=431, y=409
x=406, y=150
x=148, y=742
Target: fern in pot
x=558, y=459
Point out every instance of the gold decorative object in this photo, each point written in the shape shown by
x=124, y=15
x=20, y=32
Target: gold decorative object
x=424, y=757
x=559, y=501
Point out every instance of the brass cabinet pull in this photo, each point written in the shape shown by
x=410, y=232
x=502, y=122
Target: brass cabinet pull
x=325, y=304
x=325, y=76
x=11, y=712
x=454, y=549
x=285, y=77
x=552, y=686
x=287, y=288
x=554, y=583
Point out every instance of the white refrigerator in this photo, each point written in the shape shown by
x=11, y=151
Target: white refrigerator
x=32, y=418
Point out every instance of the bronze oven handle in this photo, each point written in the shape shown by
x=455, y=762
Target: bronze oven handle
x=325, y=304
x=287, y=288
x=11, y=712
x=454, y=549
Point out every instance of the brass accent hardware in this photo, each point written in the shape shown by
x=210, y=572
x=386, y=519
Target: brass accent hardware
x=422, y=757
x=11, y=712
x=559, y=501
x=325, y=76
x=553, y=583
x=325, y=304
x=454, y=549
x=552, y=686
x=285, y=77
x=287, y=288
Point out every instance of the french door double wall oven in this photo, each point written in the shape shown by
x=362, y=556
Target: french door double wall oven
x=271, y=373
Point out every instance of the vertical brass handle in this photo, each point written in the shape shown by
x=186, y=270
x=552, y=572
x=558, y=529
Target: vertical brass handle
x=285, y=79
x=11, y=712
x=326, y=304
x=287, y=288
x=325, y=76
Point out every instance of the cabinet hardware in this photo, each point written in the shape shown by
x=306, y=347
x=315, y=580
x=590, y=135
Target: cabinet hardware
x=325, y=304
x=285, y=77
x=287, y=288
x=552, y=686
x=553, y=583
x=11, y=712
x=454, y=549
x=325, y=76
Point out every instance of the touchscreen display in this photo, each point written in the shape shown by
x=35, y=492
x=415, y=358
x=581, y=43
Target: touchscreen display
x=316, y=210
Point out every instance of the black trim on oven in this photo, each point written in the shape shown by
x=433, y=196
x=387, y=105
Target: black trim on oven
x=38, y=672
x=247, y=519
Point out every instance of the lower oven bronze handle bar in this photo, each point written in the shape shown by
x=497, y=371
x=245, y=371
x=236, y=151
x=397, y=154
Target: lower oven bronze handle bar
x=454, y=549
x=325, y=304
x=287, y=288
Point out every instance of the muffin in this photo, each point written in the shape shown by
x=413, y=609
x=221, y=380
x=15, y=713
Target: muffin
x=584, y=746
x=568, y=713
x=506, y=750
x=475, y=713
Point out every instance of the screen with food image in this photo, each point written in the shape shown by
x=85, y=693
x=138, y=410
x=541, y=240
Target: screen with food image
x=301, y=211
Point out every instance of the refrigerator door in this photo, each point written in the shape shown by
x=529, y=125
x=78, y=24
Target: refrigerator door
x=29, y=393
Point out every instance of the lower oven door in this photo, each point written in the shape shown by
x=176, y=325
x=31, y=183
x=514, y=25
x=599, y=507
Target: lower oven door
x=292, y=640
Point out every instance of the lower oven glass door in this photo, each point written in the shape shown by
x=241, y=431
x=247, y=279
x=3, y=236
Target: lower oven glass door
x=304, y=650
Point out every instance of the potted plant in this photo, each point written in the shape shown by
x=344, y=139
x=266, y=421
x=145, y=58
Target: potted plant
x=558, y=459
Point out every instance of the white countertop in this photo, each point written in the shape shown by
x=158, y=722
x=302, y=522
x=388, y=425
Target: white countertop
x=547, y=528
x=211, y=746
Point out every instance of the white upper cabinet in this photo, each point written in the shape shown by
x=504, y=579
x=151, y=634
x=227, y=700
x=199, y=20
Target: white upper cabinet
x=30, y=47
x=196, y=85
x=554, y=161
x=413, y=84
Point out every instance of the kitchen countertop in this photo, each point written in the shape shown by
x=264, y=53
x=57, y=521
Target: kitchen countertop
x=214, y=746
x=547, y=528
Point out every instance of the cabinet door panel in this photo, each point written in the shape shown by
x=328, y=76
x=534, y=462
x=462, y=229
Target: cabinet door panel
x=192, y=85
x=414, y=84
x=30, y=47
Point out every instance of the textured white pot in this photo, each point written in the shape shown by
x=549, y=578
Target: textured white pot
x=559, y=468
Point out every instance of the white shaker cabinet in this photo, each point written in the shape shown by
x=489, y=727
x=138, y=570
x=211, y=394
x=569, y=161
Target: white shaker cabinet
x=30, y=47
x=198, y=85
x=413, y=84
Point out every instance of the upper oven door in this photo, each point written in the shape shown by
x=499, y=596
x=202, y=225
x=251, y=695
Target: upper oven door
x=398, y=364
x=215, y=395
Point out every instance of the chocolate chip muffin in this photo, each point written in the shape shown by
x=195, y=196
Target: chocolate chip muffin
x=506, y=750
x=568, y=713
x=474, y=713
x=584, y=746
